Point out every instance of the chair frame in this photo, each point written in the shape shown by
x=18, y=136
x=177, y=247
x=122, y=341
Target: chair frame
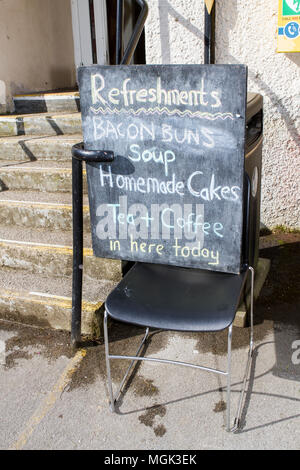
x=79, y=155
x=113, y=398
x=237, y=422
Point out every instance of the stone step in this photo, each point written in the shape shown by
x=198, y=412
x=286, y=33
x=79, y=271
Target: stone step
x=46, y=301
x=38, y=196
x=54, y=260
x=35, y=210
x=30, y=148
x=37, y=176
x=41, y=236
x=67, y=101
x=40, y=124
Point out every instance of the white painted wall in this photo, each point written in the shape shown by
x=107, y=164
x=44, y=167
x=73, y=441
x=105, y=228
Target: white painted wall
x=245, y=33
x=36, y=47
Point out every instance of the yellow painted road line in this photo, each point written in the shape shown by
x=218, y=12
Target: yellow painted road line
x=48, y=403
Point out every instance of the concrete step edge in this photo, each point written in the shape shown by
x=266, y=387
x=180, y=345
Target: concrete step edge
x=50, y=103
x=38, y=147
x=49, y=299
x=20, y=230
x=44, y=246
x=31, y=196
x=32, y=178
x=34, y=169
x=58, y=123
x=12, y=202
x=33, y=138
x=47, y=94
x=38, y=204
x=55, y=260
x=49, y=310
x=43, y=115
x=40, y=215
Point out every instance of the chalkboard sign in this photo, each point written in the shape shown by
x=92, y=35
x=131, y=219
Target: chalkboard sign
x=174, y=192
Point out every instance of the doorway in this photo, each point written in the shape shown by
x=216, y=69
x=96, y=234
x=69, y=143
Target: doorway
x=94, y=31
x=89, y=22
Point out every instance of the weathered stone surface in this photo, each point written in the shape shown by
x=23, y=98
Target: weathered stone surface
x=55, y=260
x=46, y=311
x=36, y=209
x=40, y=124
x=39, y=215
x=47, y=102
x=33, y=148
x=35, y=178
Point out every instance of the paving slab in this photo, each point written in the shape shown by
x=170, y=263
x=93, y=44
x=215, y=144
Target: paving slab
x=165, y=408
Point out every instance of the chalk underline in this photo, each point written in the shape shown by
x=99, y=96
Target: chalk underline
x=164, y=110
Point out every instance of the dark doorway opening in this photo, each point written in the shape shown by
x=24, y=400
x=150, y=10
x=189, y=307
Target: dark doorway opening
x=131, y=13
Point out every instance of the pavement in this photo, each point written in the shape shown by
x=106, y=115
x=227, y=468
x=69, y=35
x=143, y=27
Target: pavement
x=55, y=398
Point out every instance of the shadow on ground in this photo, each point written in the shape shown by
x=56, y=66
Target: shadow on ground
x=276, y=309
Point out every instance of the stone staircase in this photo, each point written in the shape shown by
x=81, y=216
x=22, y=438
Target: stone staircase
x=36, y=216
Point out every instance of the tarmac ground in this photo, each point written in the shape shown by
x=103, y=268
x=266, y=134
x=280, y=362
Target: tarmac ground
x=55, y=398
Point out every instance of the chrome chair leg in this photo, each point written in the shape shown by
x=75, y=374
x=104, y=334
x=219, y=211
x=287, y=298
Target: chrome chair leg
x=113, y=398
x=229, y=377
x=237, y=420
x=131, y=364
x=109, y=382
x=228, y=373
x=251, y=309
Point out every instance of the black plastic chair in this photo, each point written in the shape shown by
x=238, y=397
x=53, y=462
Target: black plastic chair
x=182, y=299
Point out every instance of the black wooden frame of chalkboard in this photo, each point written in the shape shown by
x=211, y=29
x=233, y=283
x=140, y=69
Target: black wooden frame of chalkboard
x=224, y=120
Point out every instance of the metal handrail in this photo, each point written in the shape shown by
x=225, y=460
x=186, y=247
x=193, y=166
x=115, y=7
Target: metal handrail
x=79, y=154
x=136, y=34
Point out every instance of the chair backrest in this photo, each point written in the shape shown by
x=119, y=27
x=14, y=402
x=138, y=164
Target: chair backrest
x=174, y=193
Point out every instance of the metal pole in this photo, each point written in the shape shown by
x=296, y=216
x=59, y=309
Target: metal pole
x=136, y=34
x=229, y=378
x=119, y=31
x=77, y=200
x=80, y=154
x=209, y=35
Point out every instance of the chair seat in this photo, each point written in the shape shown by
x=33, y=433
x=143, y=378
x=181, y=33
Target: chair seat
x=176, y=298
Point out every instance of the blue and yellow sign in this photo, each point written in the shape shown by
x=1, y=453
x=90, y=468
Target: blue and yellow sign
x=289, y=26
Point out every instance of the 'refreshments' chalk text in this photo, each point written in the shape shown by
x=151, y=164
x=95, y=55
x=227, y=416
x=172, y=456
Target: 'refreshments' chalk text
x=126, y=96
